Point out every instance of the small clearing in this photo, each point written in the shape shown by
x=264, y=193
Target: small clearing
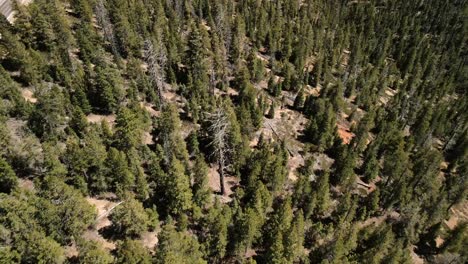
x=26, y=184
x=214, y=183
x=28, y=95
x=103, y=207
x=458, y=213
x=149, y=240
x=344, y=134
x=94, y=118
x=147, y=139
x=149, y=108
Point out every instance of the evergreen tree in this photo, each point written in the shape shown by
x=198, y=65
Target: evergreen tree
x=8, y=179
x=130, y=218
x=177, y=247
x=132, y=252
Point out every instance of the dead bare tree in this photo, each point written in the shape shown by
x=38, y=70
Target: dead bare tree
x=219, y=129
x=212, y=79
x=107, y=27
x=156, y=60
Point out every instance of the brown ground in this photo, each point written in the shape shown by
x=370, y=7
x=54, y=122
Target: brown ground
x=150, y=109
x=294, y=163
x=344, y=134
x=71, y=251
x=93, y=118
x=149, y=239
x=378, y=220
x=415, y=257
x=147, y=139
x=214, y=183
x=28, y=95
x=388, y=94
x=458, y=213
x=26, y=184
x=102, y=206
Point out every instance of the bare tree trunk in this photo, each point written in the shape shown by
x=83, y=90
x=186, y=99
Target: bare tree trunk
x=221, y=174
x=156, y=60
x=219, y=127
x=107, y=27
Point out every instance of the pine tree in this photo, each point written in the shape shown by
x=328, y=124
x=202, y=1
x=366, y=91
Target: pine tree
x=323, y=193
x=8, y=179
x=177, y=189
x=130, y=218
x=215, y=226
x=118, y=174
x=128, y=129
x=92, y=252
x=177, y=247
x=275, y=254
x=201, y=193
x=132, y=252
x=271, y=112
x=299, y=100
x=167, y=133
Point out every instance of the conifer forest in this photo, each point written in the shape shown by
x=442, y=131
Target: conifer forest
x=234, y=131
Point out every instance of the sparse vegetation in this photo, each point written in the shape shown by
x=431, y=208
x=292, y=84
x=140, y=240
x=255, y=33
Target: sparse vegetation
x=203, y=131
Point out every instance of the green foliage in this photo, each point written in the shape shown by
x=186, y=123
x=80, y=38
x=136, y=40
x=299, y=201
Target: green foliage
x=128, y=129
x=392, y=73
x=177, y=247
x=201, y=193
x=178, y=196
x=215, y=227
x=8, y=179
x=167, y=133
x=48, y=117
x=63, y=210
x=132, y=252
x=92, y=252
x=130, y=218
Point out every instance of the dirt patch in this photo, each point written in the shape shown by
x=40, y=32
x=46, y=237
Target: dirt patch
x=214, y=183
x=28, y=95
x=378, y=220
x=26, y=184
x=103, y=207
x=294, y=163
x=415, y=257
x=149, y=108
x=322, y=161
x=71, y=251
x=93, y=118
x=213, y=179
x=149, y=239
x=388, y=94
x=345, y=135
x=95, y=236
x=147, y=139
x=344, y=126
x=458, y=213
x=262, y=57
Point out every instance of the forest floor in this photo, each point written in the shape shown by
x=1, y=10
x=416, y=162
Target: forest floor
x=103, y=207
x=95, y=118
x=28, y=95
x=458, y=214
x=214, y=183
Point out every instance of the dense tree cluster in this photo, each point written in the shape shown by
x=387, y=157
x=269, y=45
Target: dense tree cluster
x=184, y=90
